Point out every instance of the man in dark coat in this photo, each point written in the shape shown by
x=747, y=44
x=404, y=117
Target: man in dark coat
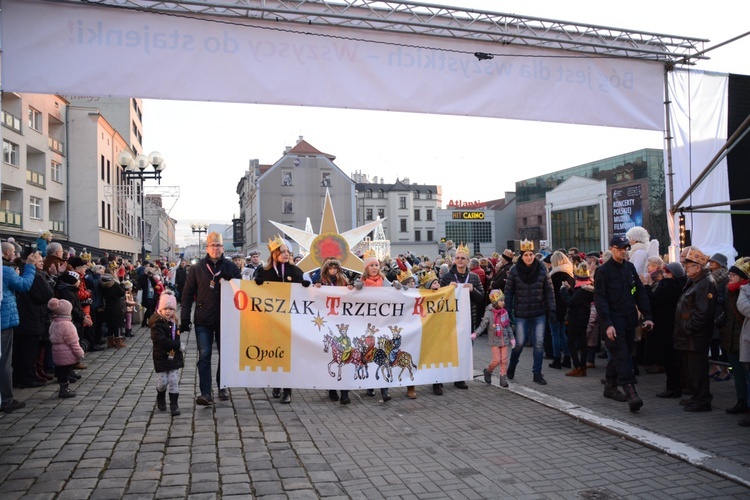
x=459, y=275
x=693, y=329
x=619, y=297
x=203, y=287
x=180, y=277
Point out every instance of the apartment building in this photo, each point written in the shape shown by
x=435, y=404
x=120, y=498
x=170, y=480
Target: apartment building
x=34, y=172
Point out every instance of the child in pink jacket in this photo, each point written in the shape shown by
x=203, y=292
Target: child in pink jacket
x=66, y=351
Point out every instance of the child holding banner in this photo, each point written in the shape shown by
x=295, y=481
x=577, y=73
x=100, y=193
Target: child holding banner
x=280, y=269
x=331, y=275
x=373, y=277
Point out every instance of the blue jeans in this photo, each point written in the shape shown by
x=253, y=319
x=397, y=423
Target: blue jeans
x=205, y=336
x=559, y=337
x=534, y=328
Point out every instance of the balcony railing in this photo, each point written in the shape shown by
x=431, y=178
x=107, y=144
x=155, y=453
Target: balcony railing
x=56, y=146
x=10, y=218
x=57, y=226
x=11, y=121
x=35, y=178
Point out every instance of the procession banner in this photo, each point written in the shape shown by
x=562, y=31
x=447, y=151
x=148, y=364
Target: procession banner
x=286, y=335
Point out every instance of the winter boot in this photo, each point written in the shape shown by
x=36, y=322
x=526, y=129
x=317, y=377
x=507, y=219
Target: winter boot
x=119, y=342
x=40, y=373
x=384, y=394
x=556, y=363
x=173, y=397
x=577, y=372
x=161, y=400
x=111, y=342
x=566, y=362
x=611, y=391
x=634, y=402
x=65, y=392
x=129, y=332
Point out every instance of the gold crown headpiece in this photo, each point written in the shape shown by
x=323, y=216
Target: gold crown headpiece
x=369, y=254
x=426, y=278
x=404, y=275
x=275, y=243
x=527, y=246
x=463, y=249
x=85, y=256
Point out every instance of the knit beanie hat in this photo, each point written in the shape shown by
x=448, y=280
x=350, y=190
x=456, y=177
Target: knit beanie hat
x=69, y=277
x=496, y=295
x=60, y=307
x=167, y=300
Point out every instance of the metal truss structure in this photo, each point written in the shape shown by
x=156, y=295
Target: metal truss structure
x=427, y=19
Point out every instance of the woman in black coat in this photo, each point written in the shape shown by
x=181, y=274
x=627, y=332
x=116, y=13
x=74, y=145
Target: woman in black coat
x=33, y=329
x=280, y=269
x=113, y=294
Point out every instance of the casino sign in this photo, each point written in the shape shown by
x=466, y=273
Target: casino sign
x=468, y=215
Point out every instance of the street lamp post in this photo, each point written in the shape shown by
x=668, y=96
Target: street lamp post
x=135, y=168
x=199, y=229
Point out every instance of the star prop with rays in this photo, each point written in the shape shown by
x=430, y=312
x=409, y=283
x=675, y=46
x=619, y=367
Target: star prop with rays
x=329, y=243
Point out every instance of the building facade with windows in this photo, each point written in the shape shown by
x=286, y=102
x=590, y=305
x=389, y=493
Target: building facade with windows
x=290, y=191
x=584, y=206
x=104, y=208
x=410, y=211
x=34, y=171
x=485, y=227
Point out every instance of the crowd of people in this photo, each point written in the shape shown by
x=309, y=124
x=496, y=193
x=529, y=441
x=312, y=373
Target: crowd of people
x=627, y=305
x=57, y=305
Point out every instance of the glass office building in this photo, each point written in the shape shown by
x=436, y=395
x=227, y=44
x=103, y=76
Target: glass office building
x=632, y=192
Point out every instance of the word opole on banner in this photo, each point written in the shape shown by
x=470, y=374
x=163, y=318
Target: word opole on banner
x=286, y=335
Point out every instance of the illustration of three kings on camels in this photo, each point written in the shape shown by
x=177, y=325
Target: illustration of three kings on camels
x=386, y=355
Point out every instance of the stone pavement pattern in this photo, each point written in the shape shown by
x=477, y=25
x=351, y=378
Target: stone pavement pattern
x=487, y=442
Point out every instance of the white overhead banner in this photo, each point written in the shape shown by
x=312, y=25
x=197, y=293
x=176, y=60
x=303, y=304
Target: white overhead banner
x=92, y=50
x=699, y=118
x=286, y=335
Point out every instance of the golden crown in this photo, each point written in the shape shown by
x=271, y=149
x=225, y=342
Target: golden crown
x=85, y=256
x=463, y=249
x=426, y=278
x=527, y=246
x=275, y=243
x=404, y=275
x=369, y=254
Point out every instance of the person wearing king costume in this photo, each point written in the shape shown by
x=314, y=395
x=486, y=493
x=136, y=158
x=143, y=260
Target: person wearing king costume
x=203, y=287
x=459, y=275
x=280, y=269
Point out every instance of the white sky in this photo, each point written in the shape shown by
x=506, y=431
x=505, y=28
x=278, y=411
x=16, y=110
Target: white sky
x=208, y=145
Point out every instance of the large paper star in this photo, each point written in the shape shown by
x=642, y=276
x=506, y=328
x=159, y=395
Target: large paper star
x=329, y=243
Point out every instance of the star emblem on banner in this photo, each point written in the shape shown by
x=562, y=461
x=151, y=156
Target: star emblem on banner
x=319, y=321
x=329, y=243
